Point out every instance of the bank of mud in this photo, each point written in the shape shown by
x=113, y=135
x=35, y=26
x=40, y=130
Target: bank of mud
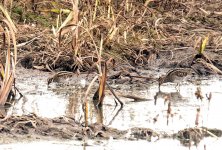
x=31, y=127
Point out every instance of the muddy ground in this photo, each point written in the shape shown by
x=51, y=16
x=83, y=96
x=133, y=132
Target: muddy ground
x=31, y=127
x=173, y=40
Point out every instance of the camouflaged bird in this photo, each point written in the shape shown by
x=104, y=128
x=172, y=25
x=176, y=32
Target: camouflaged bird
x=175, y=76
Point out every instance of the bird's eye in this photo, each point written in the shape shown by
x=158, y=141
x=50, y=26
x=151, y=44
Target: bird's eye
x=181, y=74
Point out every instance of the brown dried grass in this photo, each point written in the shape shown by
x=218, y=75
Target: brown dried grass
x=8, y=69
x=132, y=31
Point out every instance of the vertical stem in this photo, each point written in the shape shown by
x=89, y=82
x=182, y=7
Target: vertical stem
x=10, y=11
x=86, y=113
x=86, y=103
x=127, y=5
x=95, y=10
x=109, y=9
x=100, y=113
x=75, y=21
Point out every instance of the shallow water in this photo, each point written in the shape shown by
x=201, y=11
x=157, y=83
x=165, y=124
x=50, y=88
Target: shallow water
x=166, y=144
x=65, y=99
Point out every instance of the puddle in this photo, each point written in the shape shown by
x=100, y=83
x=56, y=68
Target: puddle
x=65, y=99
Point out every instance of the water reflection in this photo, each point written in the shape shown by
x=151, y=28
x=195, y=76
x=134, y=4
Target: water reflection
x=74, y=106
x=57, y=101
x=67, y=100
x=172, y=96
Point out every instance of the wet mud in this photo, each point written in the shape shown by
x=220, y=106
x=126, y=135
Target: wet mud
x=33, y=127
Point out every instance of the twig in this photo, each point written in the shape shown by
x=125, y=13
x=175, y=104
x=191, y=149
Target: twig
x=136, y=98
x=209, y=66
x=114, y=94
x=27, y=43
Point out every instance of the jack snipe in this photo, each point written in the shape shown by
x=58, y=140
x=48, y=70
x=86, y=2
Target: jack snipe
x=175, y=75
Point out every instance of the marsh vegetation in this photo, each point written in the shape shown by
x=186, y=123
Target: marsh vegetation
x=110, y=48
